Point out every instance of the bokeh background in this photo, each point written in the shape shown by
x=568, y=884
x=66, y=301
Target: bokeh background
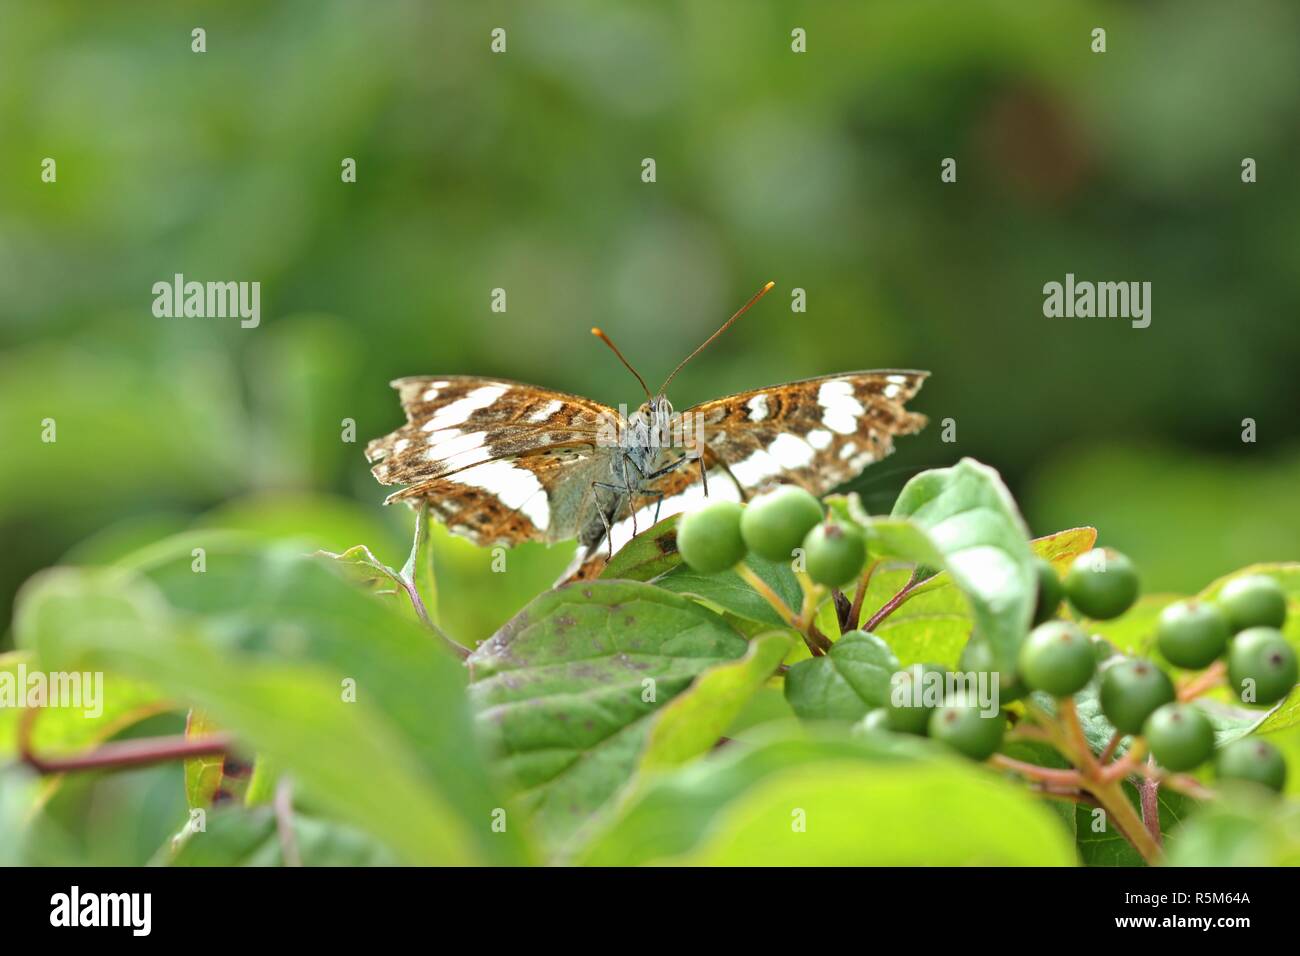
x=522, y=171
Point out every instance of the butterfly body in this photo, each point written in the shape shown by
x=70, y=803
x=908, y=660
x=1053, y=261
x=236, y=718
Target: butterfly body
x=502, y=462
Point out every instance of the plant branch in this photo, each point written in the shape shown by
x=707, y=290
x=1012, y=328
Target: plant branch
x=1071, y=779
x=1110, y=748
x=893, y=604
x=1115, y=802
x=817, y=642
x=1084, y=756
x=1149, y=789
x=114, y=756
x=855, y=612
x=1206, y=680
x=1187, y=785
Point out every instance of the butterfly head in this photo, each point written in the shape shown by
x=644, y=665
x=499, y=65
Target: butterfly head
x=653, y=413
x=654, y=416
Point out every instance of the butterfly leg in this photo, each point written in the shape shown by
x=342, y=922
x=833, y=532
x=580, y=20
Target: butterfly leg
x=629, y=490
x=604, y=519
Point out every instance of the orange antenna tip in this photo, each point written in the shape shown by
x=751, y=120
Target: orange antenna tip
x=725, y=325
x=614, y=348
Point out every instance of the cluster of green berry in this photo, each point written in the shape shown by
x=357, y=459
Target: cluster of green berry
x=774, y=526
x=1238, y=633
x=1138, y=698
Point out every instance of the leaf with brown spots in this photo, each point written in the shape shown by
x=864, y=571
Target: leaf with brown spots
x=565, y=690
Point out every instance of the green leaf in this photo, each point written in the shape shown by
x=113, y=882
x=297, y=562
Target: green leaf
x=667, y=814
x=974, y=524
x=19, y=798
x=1240, y=829
x=729, y=592
x=934, y=624
x=691, y=723
x=822, y=800
x=947, y=814
x=268, y=655
x=565, y=690
x=239, y=837
x=845, y=684
x=202, y=774
x=651, y=553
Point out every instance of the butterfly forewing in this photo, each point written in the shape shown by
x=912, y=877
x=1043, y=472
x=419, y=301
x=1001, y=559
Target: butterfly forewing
x=817, y=433
x=495, y=459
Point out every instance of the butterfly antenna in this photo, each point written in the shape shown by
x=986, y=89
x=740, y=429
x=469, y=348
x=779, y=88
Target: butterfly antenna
x=725, y=325
x=610, y=342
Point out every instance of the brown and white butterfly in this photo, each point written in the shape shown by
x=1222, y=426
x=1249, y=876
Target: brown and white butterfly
x=500, y=462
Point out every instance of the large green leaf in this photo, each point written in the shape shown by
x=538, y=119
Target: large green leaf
x=844, y=684
x=974, y=524
x=947, y=814
x=668, y=814
x=565, y=690
x=861, y=802
x=265, y=646
x=935, y=623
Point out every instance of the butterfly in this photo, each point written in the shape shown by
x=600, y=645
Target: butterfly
x=501, y=462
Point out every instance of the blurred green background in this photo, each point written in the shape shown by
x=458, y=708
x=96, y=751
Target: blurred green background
x=522, y=171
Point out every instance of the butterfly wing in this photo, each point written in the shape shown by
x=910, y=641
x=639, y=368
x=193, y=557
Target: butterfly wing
x=499, y=462
x=817, y=433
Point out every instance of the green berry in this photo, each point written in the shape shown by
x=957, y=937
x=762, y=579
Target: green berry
x=1191, y=633
x=913, y=693
x=1254, y=760
x=1255, y=600
x=977, y=658
x=835, y=554
x=876, y=720
x=774, y=524
x=1058, y=658
x=1261, y=666
x=1050, y=591
x=1131, y=690
x=1101, y=584
x=709, y=537
x=1180, y=737
x=966, y=728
